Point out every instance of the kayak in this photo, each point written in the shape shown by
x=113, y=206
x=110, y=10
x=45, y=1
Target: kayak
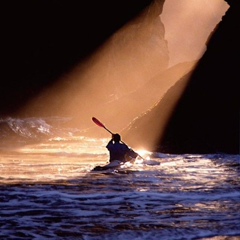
x=115, y=164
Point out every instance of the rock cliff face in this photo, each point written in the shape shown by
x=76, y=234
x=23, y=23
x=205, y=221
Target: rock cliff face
x=42, y=41
x=206, y=117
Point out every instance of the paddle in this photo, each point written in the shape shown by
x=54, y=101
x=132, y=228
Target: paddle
x=97, y=122
x=100, y=124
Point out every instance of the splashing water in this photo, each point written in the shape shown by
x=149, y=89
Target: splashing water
x=48, y=191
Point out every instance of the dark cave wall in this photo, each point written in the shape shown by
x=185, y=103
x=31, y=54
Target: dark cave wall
x=42, y=40
x=206, y=118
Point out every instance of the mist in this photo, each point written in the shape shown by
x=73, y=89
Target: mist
x=114, y=83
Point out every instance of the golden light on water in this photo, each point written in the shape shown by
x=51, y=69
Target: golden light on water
x=50, y=182
x=143, y=153
x=51, y=161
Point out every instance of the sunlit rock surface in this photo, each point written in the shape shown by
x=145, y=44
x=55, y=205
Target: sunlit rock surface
x=143, y=131
x=206, y=117
x=65, y=59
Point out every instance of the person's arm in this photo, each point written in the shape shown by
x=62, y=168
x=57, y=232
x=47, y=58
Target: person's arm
x=131, y=153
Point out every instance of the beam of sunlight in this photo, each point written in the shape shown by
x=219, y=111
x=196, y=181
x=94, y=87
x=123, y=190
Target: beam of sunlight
x=102, y=86
x=115, y=82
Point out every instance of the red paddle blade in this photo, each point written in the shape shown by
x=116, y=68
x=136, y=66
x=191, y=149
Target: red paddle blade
x=97, y=122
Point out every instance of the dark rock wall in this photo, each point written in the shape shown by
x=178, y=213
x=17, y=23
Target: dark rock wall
x=206, y=118
x=42, y=40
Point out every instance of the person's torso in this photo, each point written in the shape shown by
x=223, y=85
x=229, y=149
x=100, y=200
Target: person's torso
x=118, y=151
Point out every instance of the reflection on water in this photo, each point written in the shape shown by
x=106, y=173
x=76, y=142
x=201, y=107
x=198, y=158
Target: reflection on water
x=49, y=192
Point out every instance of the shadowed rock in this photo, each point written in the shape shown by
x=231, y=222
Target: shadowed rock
x=206, y=117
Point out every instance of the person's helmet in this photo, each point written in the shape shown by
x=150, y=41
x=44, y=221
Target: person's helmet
x=116, y=137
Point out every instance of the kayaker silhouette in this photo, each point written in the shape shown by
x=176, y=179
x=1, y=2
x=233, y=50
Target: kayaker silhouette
x=119, y=153
x=119, y=150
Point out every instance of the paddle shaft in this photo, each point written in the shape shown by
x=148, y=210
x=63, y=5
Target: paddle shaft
x=100, y=124
x=108, y=130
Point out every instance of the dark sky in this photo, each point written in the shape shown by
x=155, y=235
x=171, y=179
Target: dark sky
x=43, y=39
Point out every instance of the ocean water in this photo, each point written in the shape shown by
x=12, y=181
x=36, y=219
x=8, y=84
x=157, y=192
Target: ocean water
x=49, y=191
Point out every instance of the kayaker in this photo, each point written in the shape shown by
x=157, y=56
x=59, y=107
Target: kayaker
x=119, y=150
x=119, y=153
